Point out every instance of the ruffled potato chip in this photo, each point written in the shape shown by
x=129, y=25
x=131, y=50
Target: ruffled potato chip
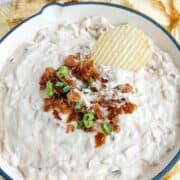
x=166, y=4
x=158, y=5
x=177, y=5
x=3, y=28
x=25, y=8
x=152, y=9
x=176, y=177
x=174, y=16
x=5, y=13
x=123, y=47
x=22, y=9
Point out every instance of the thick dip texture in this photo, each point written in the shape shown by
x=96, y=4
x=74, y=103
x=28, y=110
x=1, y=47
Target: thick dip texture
x=36, y=144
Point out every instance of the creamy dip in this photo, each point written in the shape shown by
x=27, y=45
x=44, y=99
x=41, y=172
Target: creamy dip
x=32, y=141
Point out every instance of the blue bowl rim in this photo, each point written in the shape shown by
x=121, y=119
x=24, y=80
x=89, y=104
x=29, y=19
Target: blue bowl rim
x=177, y=156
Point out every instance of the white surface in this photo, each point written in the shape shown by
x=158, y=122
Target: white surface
x=76, y=13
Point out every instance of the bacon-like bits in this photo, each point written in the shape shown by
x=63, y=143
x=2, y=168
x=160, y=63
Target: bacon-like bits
x=97, y=111
x=111, y=103
x=70, y=82
x=71, y=61
x=126, y=108
x=113, y=112
x=48, y=104
x=62, y=106
x=116, y=128
x=88, y=70
x=124, y=88
x=129, y=107
x=115, y=120
x=100, y=139
x=73, y=96
x=48, y=75
x=101, y=115
x=57, y=92
x=56, y=114
x=73, y=116
x=83, y=70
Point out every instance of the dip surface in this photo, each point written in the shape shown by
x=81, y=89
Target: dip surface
x=32, y=141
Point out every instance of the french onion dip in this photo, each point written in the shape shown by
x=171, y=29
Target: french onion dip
x=64, y=117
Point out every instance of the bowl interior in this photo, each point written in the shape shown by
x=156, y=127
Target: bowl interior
x=56, y=13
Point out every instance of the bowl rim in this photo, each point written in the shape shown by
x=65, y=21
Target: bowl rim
x=172, y=162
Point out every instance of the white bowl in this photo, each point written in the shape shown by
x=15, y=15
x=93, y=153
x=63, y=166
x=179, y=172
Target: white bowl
x=60, y=13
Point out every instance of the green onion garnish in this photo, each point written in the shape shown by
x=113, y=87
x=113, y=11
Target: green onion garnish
x=60, y=84
x=89, y=83
x=88, y=124
x=66, y=89
x=49, y=88
x=88, y=119
x=88, y=116
x=78, y=105
x=106, y=128
x=80, y=124
x=62, y=72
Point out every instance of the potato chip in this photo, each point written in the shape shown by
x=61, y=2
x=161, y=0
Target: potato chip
x=177, y=5
x=176, y=32
x=25, y=8
x=3, y=28
x=152, y=9
x=123, y=47
x=5, y=13
x=158, y=5
x=175, y=177
x=166, y=4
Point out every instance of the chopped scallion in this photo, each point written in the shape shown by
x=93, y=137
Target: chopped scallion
x=88, y=124
x=66, y=89
x=106, y=128
x=80, y=124
x=88, y=116
x=89, y=83
x=62, y=72
x=49, y=88
x=88, y=119
x=60, y=84
x=78, y=105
